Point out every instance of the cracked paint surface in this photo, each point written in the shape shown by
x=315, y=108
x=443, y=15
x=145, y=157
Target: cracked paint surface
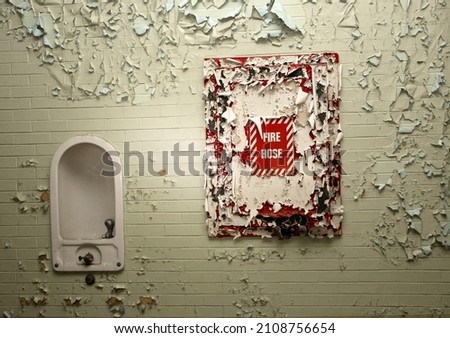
x=258, y=184
x=59, y=33
x=418, y=107
x=252, y=302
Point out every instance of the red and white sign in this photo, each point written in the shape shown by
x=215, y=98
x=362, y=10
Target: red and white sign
x=264, y=176
x=272, y=147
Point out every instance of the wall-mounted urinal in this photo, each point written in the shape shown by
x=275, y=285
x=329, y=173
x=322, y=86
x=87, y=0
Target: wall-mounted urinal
x=86, y=206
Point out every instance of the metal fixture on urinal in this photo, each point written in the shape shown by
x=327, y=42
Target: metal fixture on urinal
x=109, y=223
x=87, y=259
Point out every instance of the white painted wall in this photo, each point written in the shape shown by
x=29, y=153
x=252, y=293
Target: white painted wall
x=377, y=268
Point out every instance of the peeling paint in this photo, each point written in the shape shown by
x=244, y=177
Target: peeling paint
x=116, y=306
x=57, y=34
x=8, y=314
x=29, y=163
x=248, y=254
x=300, y=196
x=119, y=288
x=8, y=244
x=19, y=197
x=146, y=302
x=72, y=301
x=42, y=258
x=33, y=300
x=252, y=301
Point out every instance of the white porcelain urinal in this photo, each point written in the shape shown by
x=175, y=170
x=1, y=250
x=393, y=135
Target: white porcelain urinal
x=86, y=207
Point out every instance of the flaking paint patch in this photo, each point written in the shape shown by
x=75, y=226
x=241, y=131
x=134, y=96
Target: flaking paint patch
x=72, y=301
x=37, y=200
x=116, y=306
x=29, y=163
x=253, y=301
x=413, y=110
x=37, y=300
x=43, y=264
x=247, y=254
x=146, y=302
x=58, y=34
